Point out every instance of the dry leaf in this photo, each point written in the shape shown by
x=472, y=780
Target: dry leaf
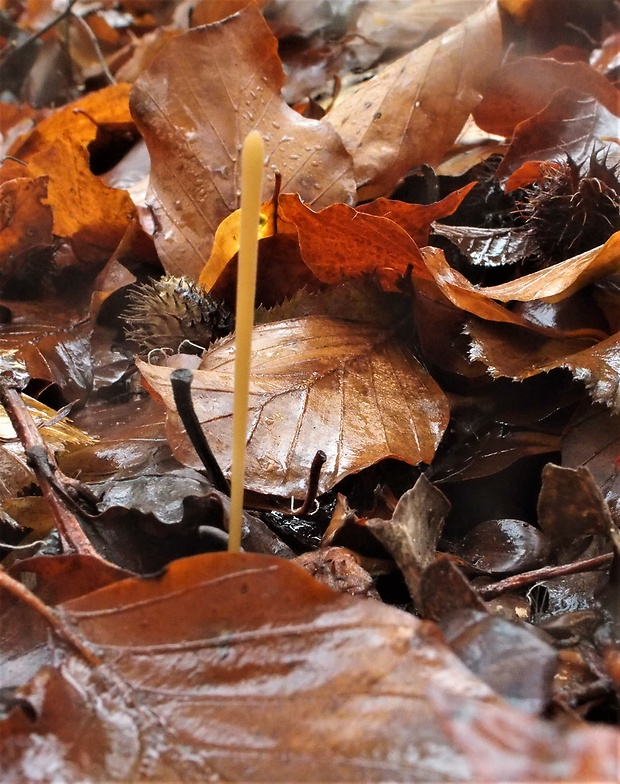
x=348, y=388
x=245, y=668
x=573, y=123
x=411, y=112
x=195, y=105
x=518, y=358
x=524, y=87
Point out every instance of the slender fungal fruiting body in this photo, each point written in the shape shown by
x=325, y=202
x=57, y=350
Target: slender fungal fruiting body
x=251, y=186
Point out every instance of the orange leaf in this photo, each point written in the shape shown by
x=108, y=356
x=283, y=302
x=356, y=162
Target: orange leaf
x=340, y=242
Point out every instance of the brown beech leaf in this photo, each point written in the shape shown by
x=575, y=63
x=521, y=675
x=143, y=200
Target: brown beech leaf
x=505, y=354
x=87, y=212
x=411, y=112
x=317, y=382
x=561, y=280
x=465, y=295
x=594, y=442
x=340, y=242
x=194, y=106
x=573, y=123
x=488, y=247
x=25, y=221
x=53, y=340
x=524, y=87
x=245, y=668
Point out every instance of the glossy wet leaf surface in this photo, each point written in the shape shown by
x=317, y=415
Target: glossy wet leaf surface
x=326, y=686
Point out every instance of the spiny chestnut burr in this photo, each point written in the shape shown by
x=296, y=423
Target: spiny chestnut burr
x=167, y=312
x=573, y=209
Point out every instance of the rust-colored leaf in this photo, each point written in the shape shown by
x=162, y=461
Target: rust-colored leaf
x=340, y=242
x=411, y=112
x=195, y=104
x=245, y=668
x=351, y=389
x=87, y=212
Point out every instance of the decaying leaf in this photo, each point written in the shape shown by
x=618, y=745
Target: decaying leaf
x=195, y=104
x=411, y=536
x=212, y=671
x=317, y=382
x=411, y=112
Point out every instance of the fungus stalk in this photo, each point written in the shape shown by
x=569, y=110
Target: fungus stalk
x=251, y=186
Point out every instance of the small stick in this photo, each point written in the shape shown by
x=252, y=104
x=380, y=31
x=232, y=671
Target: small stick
x=252, y=157
x=181, y=382
x=545, y=573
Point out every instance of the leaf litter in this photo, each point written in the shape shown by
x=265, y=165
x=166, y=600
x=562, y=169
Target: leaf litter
x=429, y=584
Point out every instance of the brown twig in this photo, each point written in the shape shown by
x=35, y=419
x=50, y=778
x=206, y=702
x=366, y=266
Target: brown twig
x=46, y=471
x=20, y=592
x=518, y=581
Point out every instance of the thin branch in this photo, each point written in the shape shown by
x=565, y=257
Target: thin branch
x=518, y=581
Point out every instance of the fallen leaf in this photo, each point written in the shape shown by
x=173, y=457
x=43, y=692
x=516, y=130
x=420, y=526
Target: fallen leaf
x=340, y=242
x=596, y=366
x=411, y=112
x=212, y=670
x=504, y=547
x=559, y=281
x=523, y=87
x=194, y=106
x=513, y=658
x=87, y=212
x=488, y=247
x=317, y=382
x=573, y=123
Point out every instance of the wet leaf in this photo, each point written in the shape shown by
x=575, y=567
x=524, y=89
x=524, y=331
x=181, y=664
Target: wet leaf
x=514, y=659
x=504, y=547
x=411, y=112
x=411, y=536
x=316, y=382
x=194, y=106
x=340, y=242
x=203, y=677
x=561, y=280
